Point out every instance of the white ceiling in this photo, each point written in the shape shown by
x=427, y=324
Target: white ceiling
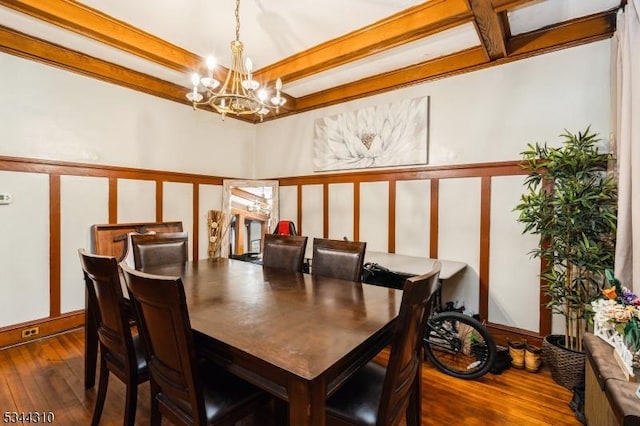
x=273, y=30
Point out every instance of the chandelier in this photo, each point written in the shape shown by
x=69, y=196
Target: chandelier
x=240, y=94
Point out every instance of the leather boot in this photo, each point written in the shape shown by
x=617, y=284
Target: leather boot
x=516, y=352
x=532, y=359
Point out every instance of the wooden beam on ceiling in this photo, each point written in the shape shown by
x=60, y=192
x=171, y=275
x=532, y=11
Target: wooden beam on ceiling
x=413, y=74
x=94, y=24
x=25, y=46
x=404, y=27
x=566, y=34
x=490, y=29
x=503, y=5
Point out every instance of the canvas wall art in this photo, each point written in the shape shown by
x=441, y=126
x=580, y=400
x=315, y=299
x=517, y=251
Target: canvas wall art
x=395, y=134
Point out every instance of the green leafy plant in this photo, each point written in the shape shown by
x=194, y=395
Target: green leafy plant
x=571, y=203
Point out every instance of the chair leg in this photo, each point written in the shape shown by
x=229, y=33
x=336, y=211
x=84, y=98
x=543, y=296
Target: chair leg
x=156, y=419
x=102, y=393
x=414, y=409
x=130, y=407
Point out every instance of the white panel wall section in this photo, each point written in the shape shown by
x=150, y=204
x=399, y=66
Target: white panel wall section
x=459, y=238
x=210, y=199
x=84, y=201
x=24, y=227
x=413, y=217
x=177, y=205
x=312, y=214
x=510, y=247
x=341, y=211
x=136, y=201
x=289, y=204
x=374, y=215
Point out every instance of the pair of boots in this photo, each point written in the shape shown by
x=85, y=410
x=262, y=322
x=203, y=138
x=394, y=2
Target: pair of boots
x=525, y=356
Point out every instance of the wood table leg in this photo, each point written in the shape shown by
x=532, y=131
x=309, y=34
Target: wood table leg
x=307, y=403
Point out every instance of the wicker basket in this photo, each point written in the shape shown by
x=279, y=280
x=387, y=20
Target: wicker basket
x=566, y=365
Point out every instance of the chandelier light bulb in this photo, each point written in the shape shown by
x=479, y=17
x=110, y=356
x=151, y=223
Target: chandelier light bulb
x=211, y=63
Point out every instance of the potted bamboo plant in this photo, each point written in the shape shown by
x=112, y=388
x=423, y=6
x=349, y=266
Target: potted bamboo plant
x=571, y=203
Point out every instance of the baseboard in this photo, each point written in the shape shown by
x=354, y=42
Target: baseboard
x=13, y=335
x=501, y=333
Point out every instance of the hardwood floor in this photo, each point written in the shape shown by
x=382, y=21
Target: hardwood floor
x=47, y=375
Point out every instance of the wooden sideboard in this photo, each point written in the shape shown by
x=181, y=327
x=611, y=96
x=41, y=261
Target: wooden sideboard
x=609, y=398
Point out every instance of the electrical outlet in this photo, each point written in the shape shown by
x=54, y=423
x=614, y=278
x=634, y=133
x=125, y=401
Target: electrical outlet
x=30, y=332
x=5, y=198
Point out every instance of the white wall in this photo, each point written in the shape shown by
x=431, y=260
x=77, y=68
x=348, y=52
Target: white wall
x=53, y=114
x=485, y=116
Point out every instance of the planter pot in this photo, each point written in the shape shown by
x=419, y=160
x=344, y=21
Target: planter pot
x=566, y=365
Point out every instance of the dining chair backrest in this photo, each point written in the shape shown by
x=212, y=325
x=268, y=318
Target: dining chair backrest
x=163, y=320
x=120, y=351
x=406, y=346
x=338, y=259
x=159, y=249
x=284, y=252
x=184, y=388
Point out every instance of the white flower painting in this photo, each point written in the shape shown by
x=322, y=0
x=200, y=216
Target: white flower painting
x=395, y=134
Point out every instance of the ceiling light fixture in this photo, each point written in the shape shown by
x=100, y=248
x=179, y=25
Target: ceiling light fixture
x=240, y=94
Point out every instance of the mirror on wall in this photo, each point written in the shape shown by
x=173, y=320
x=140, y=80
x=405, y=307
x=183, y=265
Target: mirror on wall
x=251, y=210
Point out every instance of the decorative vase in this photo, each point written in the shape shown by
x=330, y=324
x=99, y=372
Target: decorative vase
x=566, y=365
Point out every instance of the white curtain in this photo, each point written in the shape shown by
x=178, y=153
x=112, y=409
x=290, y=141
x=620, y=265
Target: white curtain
x=626, y=46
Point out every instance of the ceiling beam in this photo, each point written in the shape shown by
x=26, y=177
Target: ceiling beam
x=490, y=29
x=393, y=80
x=94, y=24
x=566, y=34
x=503, y=5
x=404, y=27
x=26, y=46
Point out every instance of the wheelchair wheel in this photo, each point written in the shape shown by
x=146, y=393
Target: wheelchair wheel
x=459, y=345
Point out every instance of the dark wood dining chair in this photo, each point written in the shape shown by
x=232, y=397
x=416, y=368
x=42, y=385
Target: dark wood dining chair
x=338, y=259
x=159, y=249
x=379, y=396
x=284, y=252
x=121, y=353
x=184, y=389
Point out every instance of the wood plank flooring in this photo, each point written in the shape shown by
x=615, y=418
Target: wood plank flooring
x=47, y=375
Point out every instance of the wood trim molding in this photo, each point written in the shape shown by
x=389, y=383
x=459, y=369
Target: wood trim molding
x=391, y=202
x=195, y=213
x=484, y=249
x=325, y=210
x=159, y=200
x=12, y=335
x=434, y=211
x=356, y=211
x=113, y=199
x=54, y=245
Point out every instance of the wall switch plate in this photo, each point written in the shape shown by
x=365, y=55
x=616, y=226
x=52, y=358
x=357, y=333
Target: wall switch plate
x=5, y=198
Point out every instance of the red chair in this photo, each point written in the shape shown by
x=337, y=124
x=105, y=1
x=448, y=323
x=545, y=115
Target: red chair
x=285, y=227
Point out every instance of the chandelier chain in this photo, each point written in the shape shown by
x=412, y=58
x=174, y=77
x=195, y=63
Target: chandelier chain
x=237, y=20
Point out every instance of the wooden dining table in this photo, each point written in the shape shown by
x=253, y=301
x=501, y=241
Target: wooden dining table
x=297, y=336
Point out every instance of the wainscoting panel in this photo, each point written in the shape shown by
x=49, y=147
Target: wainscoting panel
x=341, y=211
x=459, y=237
x=413, y=209
x=178, y=205
x=312, y=212
x=24, y=226
x=84, y=201
x=289, y=205
x=136, y=201
x=374, y=215
x=510, y=247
